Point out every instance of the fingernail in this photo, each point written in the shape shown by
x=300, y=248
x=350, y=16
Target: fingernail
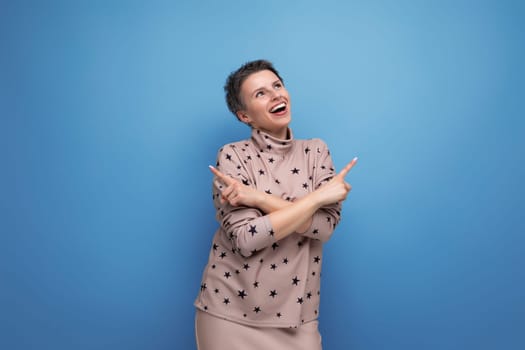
x=210, y=166
x=355, y=159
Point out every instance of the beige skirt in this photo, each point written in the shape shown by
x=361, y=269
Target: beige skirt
x=214, y=333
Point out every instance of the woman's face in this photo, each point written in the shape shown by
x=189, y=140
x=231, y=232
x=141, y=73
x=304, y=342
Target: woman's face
x=266, y=104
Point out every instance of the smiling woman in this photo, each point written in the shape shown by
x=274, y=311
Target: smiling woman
x=277, y=201
x=266, y=104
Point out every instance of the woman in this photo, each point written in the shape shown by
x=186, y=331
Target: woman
x=278, y=200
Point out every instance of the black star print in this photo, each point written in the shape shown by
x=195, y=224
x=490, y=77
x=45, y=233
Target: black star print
x=269, y=147
x=315, y=231
x=257, y=309
x=273, y=293
x=245, y=182
x=237, y=272
x=229, y=157
x=226, y=301
x=261, y=172
x=252, y=229
x=306, y=150
x=277, y=181
x=309, y=295
x=216, y=290
x=215, y=246
x=271, y=160
x=295, y=171
x=223, y=255
x=249, y=157
x=241, y=294
x=328, y=219
x=227, y=275
x=295, y=281
x=305, y=185
x=255, y=284
x=279, y=315
x=203, y=286
x=275, y=245
x=285, y=261
x=273, y=266
x=299, y=300
x=271, y=233
x=246, y=267
x=268, y=191
x=213, y=266
x=317, y=259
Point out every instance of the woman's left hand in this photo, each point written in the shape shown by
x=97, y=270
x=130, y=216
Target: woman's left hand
x=236, y=193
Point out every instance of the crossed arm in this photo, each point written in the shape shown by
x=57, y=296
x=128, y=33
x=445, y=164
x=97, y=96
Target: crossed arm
x=286, y=217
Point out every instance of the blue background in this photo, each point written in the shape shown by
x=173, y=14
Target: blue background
x=111, y=112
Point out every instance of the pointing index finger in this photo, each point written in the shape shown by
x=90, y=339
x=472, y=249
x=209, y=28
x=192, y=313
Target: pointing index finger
x=347, y=168
x=226, y=179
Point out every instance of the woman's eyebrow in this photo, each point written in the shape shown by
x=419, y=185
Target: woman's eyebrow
x=262, y=87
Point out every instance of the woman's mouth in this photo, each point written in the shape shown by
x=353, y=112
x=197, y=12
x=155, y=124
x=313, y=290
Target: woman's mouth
x=278, y=109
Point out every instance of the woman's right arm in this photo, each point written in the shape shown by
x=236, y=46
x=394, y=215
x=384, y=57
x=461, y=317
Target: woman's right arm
x=287, y=220
x=286, y=217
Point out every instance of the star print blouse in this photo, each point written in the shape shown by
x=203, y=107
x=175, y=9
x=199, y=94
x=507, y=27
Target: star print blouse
x=252, y=278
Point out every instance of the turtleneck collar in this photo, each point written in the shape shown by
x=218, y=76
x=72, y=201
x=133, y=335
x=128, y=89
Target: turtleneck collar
x=270, y=144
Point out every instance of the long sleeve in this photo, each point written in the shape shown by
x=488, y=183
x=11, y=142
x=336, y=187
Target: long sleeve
x=252, y=278
x=326, y=218
x=248, y=229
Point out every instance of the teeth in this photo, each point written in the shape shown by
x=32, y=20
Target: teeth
x=280, y=105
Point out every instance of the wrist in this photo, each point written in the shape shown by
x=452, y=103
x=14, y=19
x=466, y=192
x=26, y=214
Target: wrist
x=260, y=199
x=315, y=198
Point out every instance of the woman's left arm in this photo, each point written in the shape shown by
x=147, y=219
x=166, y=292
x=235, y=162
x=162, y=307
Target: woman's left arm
x=319, y=226
x=324, y=220
x=237, y=194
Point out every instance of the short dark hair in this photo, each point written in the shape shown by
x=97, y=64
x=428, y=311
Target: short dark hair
x=236, y=78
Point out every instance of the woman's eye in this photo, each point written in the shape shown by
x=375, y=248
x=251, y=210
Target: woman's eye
x=259, y=94
x=278, y=85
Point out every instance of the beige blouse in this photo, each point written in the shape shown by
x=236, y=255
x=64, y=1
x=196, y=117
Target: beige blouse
x=250, y=277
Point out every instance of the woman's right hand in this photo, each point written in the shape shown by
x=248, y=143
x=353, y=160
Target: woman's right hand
x=336, y=189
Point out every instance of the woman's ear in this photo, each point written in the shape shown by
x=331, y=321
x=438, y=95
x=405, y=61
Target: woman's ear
x=243, y=117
